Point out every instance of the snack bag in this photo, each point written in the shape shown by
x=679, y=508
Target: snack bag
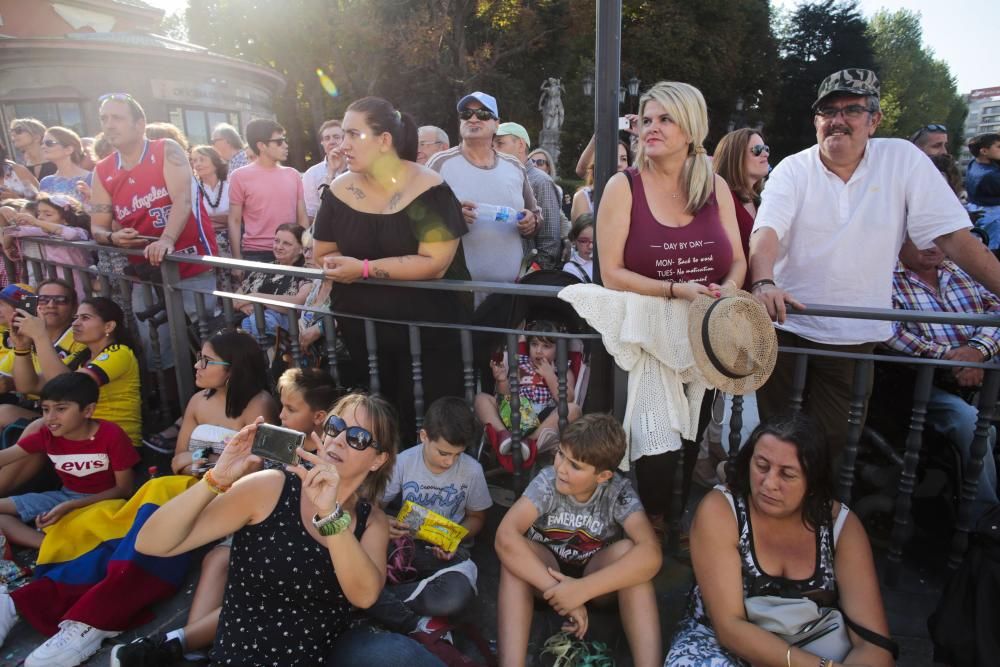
x=431, y=526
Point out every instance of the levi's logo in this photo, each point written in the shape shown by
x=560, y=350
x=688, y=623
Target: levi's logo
x=80, y=465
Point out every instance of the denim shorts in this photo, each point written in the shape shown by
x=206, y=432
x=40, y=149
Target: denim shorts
x=30, y=505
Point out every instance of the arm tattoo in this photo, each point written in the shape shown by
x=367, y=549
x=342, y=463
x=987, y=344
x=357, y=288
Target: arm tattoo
x=101, y=208
x=380, y=273
x=356, y=191
x=175, y=154
x=394, y=201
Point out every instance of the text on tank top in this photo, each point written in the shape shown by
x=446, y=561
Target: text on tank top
x=141, y=201
x=697, y=252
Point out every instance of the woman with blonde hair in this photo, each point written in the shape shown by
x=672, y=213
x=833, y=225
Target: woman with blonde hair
x=741, y=158
x=662, y=232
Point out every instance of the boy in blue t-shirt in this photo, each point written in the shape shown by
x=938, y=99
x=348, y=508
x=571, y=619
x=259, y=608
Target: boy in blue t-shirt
x=440, y=476
x=576, y=536
x=93, y=459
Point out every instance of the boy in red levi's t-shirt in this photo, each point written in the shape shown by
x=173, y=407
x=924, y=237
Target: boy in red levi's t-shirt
x=93, y=459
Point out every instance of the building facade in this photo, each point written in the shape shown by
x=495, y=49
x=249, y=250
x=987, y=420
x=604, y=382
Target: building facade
x=984, y=116
x=58, y=58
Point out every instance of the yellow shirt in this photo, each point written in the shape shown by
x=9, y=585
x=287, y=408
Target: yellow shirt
x=64, y=346
x=117, y=372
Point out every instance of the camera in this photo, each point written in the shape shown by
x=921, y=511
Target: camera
x=277, y=444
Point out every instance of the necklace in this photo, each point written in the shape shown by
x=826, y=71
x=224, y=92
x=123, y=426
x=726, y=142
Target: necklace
x=211, y=204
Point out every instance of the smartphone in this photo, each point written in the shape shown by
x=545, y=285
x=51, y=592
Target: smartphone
x=622, y=123
x=276, y=443
x=498, y=356
x=29, y=304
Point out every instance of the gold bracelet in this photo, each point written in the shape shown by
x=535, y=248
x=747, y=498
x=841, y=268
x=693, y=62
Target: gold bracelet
x=788, y=656
x=214, y=486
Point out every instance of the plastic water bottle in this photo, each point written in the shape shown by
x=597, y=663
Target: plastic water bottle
x=505, y=214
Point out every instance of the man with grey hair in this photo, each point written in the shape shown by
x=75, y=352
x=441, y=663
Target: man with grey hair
x=227, y=141
x=829, y=229
x=430, y=140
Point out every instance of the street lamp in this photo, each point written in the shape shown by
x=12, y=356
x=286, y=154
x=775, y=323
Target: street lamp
x=633, y=86
x=588, y=84
x=621, y=95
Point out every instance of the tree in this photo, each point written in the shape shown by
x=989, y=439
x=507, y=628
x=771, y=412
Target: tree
x=917, y=88
x=816, y=40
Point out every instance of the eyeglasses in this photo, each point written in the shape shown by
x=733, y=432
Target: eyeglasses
x=281, y=141
x=56, y=300
x=49, y=143
x=358, y=438
x=540, y=162
x=585, y=241
x=760, y=148
x=851, y=111
x=428, y=143
x=204, y=362
x=481, y=114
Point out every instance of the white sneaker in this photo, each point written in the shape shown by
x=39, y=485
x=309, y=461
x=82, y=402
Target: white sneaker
x=73, y=644
x=8, y=614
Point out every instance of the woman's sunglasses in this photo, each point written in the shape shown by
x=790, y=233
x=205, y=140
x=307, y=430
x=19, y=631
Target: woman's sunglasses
x=358, y=438
x=540, y=162
x=481, y=114
x=760, y=148
x=49, y=143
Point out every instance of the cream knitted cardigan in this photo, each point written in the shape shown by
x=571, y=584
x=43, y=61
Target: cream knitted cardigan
x=647, y=336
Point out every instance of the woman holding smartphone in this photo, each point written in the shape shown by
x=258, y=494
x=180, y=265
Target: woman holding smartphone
x=296, y=532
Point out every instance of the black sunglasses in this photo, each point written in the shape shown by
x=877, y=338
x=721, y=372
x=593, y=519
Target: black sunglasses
x=935, y=127
x=358, y=438
x=280, y=141
x=49, y=143
x=121, y=97
x=481, y=114
x=57, y=299
x=760, y=148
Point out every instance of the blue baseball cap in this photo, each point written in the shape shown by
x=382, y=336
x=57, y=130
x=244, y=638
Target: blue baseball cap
x=488, y=101
x=14, y=293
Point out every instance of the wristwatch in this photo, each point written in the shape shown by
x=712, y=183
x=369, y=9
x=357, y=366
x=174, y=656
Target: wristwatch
x=332, y=524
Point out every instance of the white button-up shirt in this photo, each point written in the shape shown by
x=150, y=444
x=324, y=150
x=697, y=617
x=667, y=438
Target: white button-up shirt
x=839, y=241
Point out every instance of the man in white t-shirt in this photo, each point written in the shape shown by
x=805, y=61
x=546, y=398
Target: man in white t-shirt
x=484, y=180
x=331, y=135
x=830, y=227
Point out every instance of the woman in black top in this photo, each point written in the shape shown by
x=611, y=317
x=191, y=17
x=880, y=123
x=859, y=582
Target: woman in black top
x=292, y=585
x=391, y=218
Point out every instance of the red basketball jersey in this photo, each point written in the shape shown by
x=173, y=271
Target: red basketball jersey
x=140, y=200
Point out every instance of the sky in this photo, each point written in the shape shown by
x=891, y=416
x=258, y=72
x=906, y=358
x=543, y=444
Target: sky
x=960, y=32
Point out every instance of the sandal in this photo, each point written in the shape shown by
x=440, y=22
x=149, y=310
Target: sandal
x=506, y=461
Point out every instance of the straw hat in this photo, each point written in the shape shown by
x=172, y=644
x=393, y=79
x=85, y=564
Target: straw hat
x=733, y=341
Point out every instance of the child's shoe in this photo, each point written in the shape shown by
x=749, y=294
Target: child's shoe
x=153, y=651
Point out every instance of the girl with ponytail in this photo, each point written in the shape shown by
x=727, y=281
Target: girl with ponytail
x=390, y=218
x=663, y=232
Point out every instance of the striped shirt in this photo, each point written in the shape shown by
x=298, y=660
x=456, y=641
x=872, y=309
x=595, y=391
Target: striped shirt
x=957, y=292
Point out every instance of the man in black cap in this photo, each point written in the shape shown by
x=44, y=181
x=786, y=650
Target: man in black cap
x=829, y=229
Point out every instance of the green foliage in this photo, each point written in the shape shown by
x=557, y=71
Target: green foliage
x=917, y=88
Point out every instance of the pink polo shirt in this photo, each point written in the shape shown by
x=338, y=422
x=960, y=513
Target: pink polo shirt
x=269, y=197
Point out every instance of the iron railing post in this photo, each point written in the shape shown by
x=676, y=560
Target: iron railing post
x=856, y=410
x=176, y=323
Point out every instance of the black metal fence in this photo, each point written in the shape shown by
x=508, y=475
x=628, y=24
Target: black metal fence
x=185, y=326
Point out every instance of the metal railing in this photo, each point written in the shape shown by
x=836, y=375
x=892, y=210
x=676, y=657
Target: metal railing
x=613, y=384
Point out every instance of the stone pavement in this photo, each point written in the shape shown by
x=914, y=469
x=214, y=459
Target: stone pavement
x=908, y=607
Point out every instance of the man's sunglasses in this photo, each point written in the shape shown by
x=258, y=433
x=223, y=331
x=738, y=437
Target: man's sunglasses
x=850, y=111
x=120, y=97
x=481, y=114
x=760, y=148
x=358, y=438
x=281, y=141
x=57, y=300
x=933, y=127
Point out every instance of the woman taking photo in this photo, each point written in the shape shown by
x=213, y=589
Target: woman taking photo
x=306, y=551
x=276, y=286
x=663, y=232
x=583, y=200
x=775, y=530
x=63, y=148
x=394, y=219
x=741, y=160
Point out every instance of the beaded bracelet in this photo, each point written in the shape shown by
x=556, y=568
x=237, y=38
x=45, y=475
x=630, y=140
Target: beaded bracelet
x=214, y=486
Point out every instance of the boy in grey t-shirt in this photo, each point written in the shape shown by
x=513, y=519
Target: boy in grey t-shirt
x=440, y=476
x=577, y=534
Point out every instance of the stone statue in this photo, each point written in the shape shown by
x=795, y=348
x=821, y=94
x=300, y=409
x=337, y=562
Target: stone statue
x=551, y=105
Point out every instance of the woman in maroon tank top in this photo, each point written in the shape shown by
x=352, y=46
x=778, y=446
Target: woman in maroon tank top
x=661, y=231
x=741, y=159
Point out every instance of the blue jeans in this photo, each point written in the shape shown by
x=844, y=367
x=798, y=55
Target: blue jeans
x=365, y=646
x=956, y=420
x=272, y=320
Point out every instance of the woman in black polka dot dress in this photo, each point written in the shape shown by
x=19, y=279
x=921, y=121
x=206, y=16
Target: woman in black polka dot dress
x=286, y=601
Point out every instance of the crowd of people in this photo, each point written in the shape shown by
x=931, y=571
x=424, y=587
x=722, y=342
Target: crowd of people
x=313, y=562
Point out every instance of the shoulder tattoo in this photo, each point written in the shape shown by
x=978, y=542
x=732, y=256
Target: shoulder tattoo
x=174, y=154
x=356, y=191
x=394, y=201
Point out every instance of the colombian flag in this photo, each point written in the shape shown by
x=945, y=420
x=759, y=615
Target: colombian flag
x=89, y=571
